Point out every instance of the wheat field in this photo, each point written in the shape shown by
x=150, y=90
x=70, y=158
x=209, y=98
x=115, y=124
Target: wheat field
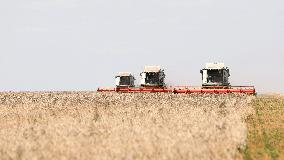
x=90, y=125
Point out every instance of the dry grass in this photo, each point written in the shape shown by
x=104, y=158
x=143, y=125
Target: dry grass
x=266, y=128
x=89, y=125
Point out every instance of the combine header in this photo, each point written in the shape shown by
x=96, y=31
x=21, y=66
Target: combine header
x=215, y=79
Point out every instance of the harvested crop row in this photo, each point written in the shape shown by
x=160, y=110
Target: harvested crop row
x=88, y=125
x=266, y=128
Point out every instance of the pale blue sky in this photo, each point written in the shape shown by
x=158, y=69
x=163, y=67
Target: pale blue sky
x=81, y=44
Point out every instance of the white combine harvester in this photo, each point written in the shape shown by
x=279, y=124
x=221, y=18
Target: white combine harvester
x=215, y=75
x=153, y=76
x=124, y=79
x=215, y=79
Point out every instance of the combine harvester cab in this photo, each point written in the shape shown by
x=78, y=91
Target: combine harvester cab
x=124, y=80
x=153, y=76
x=215, y=75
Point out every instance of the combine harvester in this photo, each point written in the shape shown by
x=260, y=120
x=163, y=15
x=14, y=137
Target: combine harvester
x=215, y=79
